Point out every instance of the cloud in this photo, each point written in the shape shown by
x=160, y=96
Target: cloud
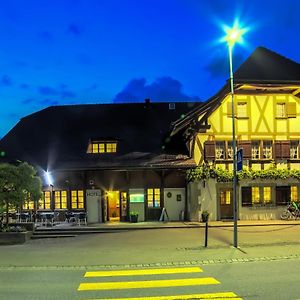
x=48, y=102
x=61, y=91
x=6, y=80
x=67, y=94
x=162, y=89
x=24, y=86
x=74, y=29
x=27, y=101
x=219, y=65
x=47, y=90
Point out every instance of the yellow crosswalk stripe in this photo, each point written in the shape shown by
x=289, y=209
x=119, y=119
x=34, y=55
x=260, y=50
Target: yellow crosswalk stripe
x=142, y=272
x=211, y=296
x=145, y=284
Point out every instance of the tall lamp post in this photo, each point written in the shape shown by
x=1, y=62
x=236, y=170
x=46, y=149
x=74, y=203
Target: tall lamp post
x=233, y=35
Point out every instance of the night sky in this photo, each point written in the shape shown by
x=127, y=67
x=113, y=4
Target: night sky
x=100, y=51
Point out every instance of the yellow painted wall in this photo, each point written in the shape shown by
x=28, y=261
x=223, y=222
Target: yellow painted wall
x=261, y=123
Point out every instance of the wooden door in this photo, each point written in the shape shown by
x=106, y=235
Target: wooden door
x=226, y=203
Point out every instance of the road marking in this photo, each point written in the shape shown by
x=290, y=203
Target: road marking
x=142, y=272
x=145, y=284
x=211, y=296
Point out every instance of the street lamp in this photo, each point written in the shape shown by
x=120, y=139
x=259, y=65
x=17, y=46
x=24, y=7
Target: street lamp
x=233, y=36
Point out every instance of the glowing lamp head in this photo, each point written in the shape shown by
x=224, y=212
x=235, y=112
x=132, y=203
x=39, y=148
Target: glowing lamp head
x=234, y=34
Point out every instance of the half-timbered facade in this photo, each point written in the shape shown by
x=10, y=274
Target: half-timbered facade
x=267, y=124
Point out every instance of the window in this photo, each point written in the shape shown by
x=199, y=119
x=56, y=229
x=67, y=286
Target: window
x=294, y=193
x=267, y=195
x=283, y=195
x=230, y=150
x=220, y=150
x=267, y=149
x=45, y=202
x=225, y=196
x=28, y=205
x=103, y=147
x=255, y=151
x=255, y=195
x=242, y=110
x=77, y=201
x=153, y=197
x=60, y=199
x=294, y=149
x=280, y=110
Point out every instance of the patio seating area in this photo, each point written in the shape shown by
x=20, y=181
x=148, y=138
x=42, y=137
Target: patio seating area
x=49, y=218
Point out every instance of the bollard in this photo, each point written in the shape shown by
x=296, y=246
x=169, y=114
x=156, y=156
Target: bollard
x=206, y=233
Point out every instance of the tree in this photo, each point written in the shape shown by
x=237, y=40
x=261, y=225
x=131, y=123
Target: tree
x=18, y=183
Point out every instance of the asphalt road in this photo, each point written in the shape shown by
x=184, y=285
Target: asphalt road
x=266, y=266
x=251, y=280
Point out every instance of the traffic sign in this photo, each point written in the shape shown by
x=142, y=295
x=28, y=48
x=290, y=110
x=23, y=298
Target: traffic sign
x=239, y=160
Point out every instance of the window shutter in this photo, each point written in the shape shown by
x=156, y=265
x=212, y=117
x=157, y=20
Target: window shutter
x=291, y=109
x=246, y=196
x=277, y=149
x=282, y=149
x=285, y=149
x=209, y=150
x=246, y=145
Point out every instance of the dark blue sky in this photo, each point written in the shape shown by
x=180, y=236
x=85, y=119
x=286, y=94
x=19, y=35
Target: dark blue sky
x=97, y=51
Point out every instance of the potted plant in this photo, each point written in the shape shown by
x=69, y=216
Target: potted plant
x=205, y=216
x=134, y=216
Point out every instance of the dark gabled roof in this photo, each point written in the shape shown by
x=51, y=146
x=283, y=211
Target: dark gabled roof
x=264, y=65
x=59, y=135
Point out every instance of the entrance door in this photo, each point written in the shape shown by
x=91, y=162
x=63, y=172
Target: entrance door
x=113, y=206
x=226, y=203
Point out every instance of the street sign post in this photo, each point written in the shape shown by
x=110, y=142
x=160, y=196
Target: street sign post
x=239, y=160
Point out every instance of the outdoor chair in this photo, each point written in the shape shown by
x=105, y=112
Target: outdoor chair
x=24, y=217
x=82, y=218
x=69, y=217
x=49, y=219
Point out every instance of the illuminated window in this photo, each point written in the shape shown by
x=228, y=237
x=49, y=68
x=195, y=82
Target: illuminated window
x=103, y=147
x=225, y=197
x=28, y=205
x=255, y=152
x=294, y=149
x=281, y=110
x=77, y=201
x=45, y=202
x=294, y=193
x=255, y=195
x=220, y=150
x=60, y=199
x=230, y=150
x=242, y=110
x=111, y=147
x=267, y=195
x=267, y=149
x=153, y=197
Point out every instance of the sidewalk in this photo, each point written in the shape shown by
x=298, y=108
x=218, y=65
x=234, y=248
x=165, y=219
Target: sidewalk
x=116, y=244
x=159, y=225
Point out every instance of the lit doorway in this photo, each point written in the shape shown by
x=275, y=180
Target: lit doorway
x=113, y=206
x=116, y=206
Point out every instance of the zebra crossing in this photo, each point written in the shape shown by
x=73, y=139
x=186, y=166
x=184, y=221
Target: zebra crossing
x=112, y=281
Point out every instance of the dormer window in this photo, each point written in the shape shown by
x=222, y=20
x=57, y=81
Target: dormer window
x=102, y=147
